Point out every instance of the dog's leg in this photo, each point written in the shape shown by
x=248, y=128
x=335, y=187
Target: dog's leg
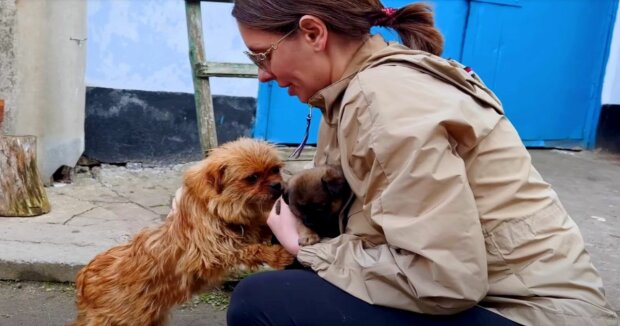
x=275, y=256
x=162, y=320
x=94, y=321
x=81, y=320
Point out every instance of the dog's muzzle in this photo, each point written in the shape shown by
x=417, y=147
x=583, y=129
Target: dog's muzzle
x=276, y=189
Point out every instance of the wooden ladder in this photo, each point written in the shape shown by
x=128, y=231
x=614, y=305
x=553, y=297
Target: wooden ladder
x=203, y=69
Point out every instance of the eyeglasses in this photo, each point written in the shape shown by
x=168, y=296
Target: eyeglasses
x=260, y=59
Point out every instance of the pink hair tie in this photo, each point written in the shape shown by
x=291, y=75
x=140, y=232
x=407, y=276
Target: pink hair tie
x=389, y=12
x=387, y=18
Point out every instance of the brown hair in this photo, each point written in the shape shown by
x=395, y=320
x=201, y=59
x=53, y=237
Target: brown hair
x=414, y=22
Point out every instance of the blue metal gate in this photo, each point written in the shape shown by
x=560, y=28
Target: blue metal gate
x=543, y=58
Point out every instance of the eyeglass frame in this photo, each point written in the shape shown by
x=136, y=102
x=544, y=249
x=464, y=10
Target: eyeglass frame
x=259, y=58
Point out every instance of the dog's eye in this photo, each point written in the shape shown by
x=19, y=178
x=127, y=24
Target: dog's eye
x=252, y=178
x=275, y=170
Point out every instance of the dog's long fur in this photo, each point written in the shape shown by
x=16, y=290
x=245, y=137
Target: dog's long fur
x=217, y=223
x=317, y=196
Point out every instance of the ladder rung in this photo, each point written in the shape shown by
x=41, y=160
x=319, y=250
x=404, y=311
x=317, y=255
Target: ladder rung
x=225, y=69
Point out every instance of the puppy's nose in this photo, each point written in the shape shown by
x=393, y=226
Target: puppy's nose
x=276, y=186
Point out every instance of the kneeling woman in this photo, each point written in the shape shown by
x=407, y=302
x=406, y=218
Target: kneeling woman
x=449, y=222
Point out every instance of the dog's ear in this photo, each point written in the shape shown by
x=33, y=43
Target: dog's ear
x=205, y=177
x=215, y=177
x=333, y=180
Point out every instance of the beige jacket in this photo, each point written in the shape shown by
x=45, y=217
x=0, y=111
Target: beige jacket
x=448, y=210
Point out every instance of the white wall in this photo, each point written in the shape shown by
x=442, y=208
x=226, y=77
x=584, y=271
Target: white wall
x=143, y=45
x=50, y=83
x=8, y=64
x=611, y=85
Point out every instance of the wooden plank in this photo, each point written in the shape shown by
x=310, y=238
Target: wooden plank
x=224, y=69
x=21, y=189
x=202, y=88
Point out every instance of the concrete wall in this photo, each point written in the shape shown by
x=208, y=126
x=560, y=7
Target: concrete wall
x=611, y=85
x=155, y=128
x=608, y=131
x=139, y=104
x=8, y=67
x=44, y=85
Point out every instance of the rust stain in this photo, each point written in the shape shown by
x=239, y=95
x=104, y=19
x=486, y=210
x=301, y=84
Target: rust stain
x=1, y=112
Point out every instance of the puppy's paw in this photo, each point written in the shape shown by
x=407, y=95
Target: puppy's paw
x=308, y=239
x=307, y=236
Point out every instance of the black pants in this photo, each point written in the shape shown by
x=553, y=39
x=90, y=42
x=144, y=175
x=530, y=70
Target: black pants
x=301, y=297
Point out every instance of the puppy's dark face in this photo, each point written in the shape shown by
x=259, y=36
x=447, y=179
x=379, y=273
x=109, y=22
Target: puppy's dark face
x=317, y=196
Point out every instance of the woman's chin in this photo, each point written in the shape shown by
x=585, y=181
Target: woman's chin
x=302, y=98
x=293, y=92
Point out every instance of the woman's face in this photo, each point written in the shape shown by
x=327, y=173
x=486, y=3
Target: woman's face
x=294, y=64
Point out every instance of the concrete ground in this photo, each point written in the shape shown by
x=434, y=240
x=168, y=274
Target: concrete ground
x=104, y=206
x=52, y=304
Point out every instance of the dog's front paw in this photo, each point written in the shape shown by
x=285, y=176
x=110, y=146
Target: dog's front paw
x=278, y=257
x=256, y=255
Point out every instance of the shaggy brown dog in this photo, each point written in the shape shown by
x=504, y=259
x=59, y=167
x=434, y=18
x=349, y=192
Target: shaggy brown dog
x=217, y=222
x=316, y=196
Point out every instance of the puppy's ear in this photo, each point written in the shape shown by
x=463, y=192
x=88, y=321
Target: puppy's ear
x=333, y=181
x=332, y=186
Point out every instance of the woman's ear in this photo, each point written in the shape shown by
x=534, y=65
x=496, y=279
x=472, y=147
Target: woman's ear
x=314, y=31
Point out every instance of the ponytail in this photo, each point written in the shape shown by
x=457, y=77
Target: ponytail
x=414, y=24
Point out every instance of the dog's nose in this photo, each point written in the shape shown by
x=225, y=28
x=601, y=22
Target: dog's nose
x=276, y=186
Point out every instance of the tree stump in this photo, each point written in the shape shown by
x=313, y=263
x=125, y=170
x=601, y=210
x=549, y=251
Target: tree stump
x=21, y=189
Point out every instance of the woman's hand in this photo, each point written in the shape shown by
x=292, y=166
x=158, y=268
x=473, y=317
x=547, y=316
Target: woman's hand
x=283, y=224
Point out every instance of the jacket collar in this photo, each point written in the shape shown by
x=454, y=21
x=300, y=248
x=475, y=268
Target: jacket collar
x=327, y=98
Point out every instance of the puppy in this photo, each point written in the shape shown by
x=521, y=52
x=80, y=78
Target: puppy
x=316, y=196
x=218, y=221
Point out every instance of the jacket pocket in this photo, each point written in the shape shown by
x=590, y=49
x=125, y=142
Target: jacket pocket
x=532, y=233
x=521, y=252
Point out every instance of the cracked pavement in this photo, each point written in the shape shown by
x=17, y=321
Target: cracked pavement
x=98, y=210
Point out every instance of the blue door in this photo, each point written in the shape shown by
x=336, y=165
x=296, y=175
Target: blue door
x=543, y=58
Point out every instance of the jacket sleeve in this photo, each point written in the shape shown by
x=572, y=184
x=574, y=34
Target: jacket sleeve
x=415, y=191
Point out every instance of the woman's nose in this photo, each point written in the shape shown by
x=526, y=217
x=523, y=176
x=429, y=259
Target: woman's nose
x=264, y=76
